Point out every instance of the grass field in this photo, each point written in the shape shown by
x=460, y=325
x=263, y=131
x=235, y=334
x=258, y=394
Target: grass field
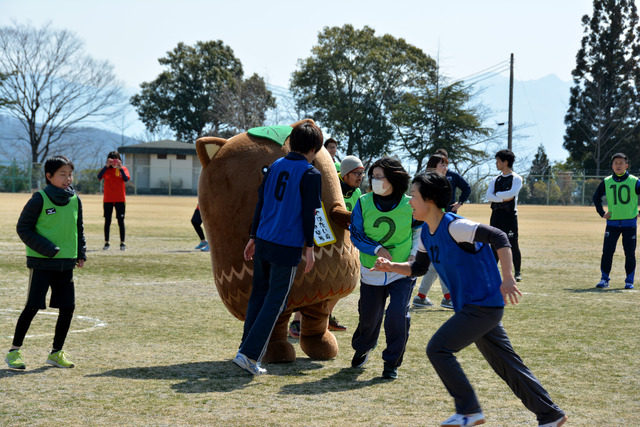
x=153, y=342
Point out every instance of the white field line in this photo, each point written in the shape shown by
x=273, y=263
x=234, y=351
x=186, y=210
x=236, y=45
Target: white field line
x=94, y=323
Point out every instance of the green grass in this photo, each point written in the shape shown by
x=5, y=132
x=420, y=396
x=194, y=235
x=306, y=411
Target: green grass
x=162, y=352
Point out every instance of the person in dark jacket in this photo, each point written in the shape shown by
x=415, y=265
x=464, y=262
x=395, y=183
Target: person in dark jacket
x=457, y=181
x=51, y=227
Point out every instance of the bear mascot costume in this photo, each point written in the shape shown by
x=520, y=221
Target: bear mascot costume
x=232, y=171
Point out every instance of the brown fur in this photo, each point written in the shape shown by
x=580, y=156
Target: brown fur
x=227, y=193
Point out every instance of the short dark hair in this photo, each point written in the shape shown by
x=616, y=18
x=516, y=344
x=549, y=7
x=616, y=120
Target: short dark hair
x=306, y=137
x=619, y=156
x=53, y=163
x=396, y=175
x=506, y=156
x=329, y=141
x=435, y=160
x=114, y=155
x=443, y=152
x=434, y=187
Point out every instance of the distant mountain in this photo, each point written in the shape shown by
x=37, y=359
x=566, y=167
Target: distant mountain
x=539, y=107
x=85, y=145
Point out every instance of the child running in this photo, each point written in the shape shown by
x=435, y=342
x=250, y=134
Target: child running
x=460, y=251
x=51, y=227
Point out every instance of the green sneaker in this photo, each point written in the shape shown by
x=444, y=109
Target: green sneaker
x=59, y=359
x=14, y=360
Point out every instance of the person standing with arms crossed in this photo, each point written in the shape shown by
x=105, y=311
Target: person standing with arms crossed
x=459, y=250
x=503, y=194
x=115, y=174
x=51, y=227
x=283, y=223
x=622, y=191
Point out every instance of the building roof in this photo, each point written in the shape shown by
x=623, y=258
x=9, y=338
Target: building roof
x=160, y=147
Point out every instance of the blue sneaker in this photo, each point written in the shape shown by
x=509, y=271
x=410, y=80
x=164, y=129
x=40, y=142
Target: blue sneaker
x=201, y=245
x=205, y=248
x=602, y=284
x=628, y=285
x=249, y=365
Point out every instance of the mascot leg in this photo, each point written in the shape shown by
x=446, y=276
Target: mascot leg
x=279, y=349
x=315, y=339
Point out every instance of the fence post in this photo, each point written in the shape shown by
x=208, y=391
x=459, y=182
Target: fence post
x=548, y=185
x=584, y=184
x=169, y=176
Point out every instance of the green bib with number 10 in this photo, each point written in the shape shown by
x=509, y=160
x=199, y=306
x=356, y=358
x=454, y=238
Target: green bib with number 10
x=622, y=200
x=391, y=229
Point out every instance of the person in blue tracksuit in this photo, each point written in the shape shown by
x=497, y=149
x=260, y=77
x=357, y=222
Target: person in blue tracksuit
x=283, y=224
x=460, y=250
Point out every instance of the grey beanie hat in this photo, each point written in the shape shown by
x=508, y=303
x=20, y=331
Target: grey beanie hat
x=348, y=164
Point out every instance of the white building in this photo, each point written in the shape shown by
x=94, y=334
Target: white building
x=163, y=167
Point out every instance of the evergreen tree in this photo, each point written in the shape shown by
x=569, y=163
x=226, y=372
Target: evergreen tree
x=604, y=111
x=540, y=164
x=436, y=115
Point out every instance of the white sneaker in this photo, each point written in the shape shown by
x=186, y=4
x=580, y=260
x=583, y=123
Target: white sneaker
x=556, y=423
x=249, y=365
x=465, y=420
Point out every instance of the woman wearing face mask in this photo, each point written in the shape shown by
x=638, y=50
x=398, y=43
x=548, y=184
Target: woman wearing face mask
x=382, y=226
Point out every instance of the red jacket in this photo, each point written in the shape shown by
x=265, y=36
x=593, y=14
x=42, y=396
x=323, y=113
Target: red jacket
x=114, y=180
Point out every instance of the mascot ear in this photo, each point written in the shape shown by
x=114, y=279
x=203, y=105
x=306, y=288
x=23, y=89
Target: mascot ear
x=207, y=148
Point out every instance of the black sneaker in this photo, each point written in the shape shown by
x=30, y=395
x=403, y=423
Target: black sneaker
x=123, y=247
x=106, y=246
x=518, y=277
x=390, y=372
x=359, y=359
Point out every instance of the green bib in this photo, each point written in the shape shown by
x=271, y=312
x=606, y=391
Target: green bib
x=391, y=229
x=337, y=165
x=59, y=224
x=351, y=201
x=622, y=200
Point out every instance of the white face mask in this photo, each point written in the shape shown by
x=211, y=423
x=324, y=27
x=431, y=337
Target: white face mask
x=377, y=185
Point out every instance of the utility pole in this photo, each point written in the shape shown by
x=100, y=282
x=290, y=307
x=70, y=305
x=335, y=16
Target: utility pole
x=510, y=129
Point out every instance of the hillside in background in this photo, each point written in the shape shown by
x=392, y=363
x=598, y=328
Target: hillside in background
x=539, y=107
x=85, y=145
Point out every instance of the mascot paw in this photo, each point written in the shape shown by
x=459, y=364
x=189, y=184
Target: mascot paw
x=319, y=347
x=279, y=351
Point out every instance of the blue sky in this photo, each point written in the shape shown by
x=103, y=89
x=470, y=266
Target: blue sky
x=269, y=37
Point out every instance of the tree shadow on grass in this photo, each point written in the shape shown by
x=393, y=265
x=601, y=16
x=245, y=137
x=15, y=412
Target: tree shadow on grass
x=207, y=377
x=343, y=380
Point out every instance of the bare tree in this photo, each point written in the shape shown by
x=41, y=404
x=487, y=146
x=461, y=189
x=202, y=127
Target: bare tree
x=53, y=85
